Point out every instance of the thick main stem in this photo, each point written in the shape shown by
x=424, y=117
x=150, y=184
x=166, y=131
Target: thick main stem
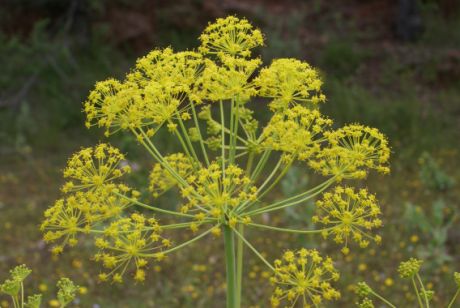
x=239, y=266
x=230, y=263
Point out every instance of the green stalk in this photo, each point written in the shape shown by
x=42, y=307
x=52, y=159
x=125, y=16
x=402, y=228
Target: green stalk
x=230, y=263
x=196, y=238
x=239, y=265
x=289, y=230
x=222, y=119
x=260, y=165
x=153, y=208
x=427, y=303
x=197, y=125
x=454, y=298
x=22, y=295
x=255, y=251
x=187, y=139
x=275, y=207
x=383, y=299
x=417, y=293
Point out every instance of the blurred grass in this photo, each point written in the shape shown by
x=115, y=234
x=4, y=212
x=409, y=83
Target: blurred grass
x=410, y=91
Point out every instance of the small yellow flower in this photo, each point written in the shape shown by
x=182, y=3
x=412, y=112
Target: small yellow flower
x=43, y=287
x=83, y=290
x=389, y=282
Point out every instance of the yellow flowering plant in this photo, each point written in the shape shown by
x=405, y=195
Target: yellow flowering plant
x=228, y=164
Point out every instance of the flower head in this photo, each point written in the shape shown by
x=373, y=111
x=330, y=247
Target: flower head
x=290, y=82
x=366, y=303
x=232, y=36
x=352, y=151
x=162, y=180
x=216, y=192
x=296, y=132
x=409, y=268
x=79, y=212
x=457, y=279
x=66, y=291
x=227, y=80
x=114, y=105
x=92, y=168
x=305, y=276
x=350, y=215
x=12, y=285
x=363, y=289
x=129, y=241
x=167, y=71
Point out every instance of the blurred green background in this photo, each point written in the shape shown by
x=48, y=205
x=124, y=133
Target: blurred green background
x=394, y=65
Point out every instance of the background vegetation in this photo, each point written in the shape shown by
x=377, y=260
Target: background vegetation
x=394, y=65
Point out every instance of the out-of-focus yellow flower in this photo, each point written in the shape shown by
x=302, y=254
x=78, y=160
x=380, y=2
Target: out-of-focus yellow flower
x=83, y=290
x=389, y=282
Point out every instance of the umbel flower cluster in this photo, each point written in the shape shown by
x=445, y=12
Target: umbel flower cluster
x=228, y=163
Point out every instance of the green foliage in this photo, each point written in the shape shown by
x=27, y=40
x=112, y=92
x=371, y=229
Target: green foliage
x=432, y=176
x=342, y=58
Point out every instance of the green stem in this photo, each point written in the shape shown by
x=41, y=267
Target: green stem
x=187, y=139
x=427, y=303
x=22, y=295
x=14, y=302
x=254, y=250
x=454, y=298
x=280, y=176
x=230, y=263
x=239, y=265
x=222, y=119
x=196, y=238
x=150, y=147
x=383, y=299
x=289, y=230
x=417, y=293
x=249, y=163
x=275, y=207
x=197, y=125
x=153, y=208
x=260, y=165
